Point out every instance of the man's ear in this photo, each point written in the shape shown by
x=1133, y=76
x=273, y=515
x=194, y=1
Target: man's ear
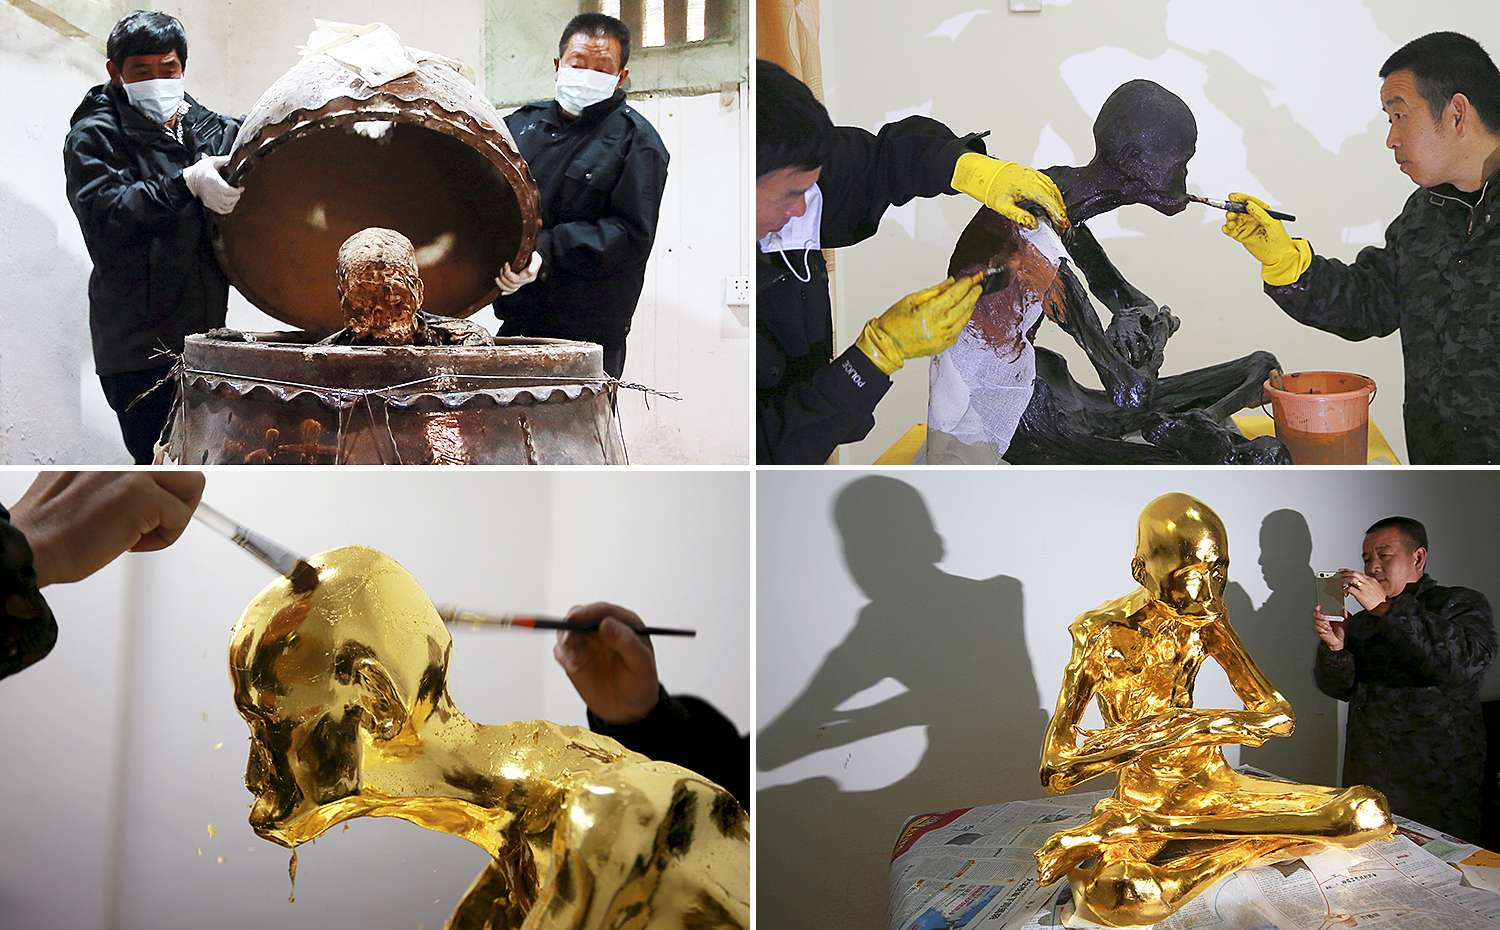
x=113, y=72
x=1459, y=113
x=380, y=698
x=1421, y=559
x=624, y=74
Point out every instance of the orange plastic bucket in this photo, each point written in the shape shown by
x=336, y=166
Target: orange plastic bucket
x=1323, y=417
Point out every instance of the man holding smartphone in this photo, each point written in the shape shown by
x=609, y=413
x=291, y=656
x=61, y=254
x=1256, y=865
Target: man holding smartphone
x=1410, y=664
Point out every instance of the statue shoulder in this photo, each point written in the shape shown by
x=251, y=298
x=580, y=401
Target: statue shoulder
x=1114, y=612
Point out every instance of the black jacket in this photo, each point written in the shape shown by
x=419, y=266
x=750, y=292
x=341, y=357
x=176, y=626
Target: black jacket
x=807, y=401
x=1412, y=678
x=27, y=630
x=155, y=277
x=600, y=178
x=689, y=732
x=1436, y=281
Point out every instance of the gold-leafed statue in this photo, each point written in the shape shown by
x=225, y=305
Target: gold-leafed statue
x=345, y=691
x=1180, y=818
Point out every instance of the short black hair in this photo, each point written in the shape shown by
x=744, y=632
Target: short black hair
x=598, y=25
x=146, y=32
x=1413, y=531
x=1448, y=63
x=792, y=129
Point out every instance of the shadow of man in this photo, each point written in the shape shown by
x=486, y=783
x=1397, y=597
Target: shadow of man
x=957, y=647
x=1279, y=637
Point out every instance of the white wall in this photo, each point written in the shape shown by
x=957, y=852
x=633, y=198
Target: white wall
x=111, y=767
x=911, y=636
x=685, y=338
x=1286, y=97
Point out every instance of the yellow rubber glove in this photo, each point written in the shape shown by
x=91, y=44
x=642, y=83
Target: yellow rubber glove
x=924, y=323
x=1002, y=185
x=1282, y=258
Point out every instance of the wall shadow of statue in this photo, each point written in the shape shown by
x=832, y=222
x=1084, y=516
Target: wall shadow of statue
x=995, y=393
x=957, y=645
x=1279, y=634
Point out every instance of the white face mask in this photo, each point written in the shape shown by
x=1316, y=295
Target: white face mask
x=578, y=88
x=159, y=99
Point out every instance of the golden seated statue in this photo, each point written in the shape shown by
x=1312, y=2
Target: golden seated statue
x=345, y=691
x=1180, y=818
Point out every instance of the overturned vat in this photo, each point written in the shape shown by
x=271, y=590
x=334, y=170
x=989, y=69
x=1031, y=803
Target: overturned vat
x=323, y=155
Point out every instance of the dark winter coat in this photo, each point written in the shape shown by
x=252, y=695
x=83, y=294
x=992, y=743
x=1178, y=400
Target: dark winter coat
x=156, y=278
x=27, y=630
x=808, y=402
x=1412, y=678
x=689, y=732
x=600, y=178
x=1437, y=280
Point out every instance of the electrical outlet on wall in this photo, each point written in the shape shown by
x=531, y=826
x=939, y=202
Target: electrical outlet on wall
x=1025, y=6
x=737, y=290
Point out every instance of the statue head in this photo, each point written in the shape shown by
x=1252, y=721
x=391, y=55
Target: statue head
x=1146, y=135
x=380, y=287
x=323, y=678
x=1182, y=557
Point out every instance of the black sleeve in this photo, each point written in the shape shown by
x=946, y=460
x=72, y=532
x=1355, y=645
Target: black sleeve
x=1355, y=301
x=604, y=248
x=801, y=422
x=1334, y=672
x=689, y=732
x=112, y=202
x=27, y=629
x=1433, y=646
x=867, y=174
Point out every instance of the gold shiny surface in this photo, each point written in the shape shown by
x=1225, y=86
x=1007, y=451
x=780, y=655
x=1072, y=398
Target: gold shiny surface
x=345, y=691
x=1180, y=818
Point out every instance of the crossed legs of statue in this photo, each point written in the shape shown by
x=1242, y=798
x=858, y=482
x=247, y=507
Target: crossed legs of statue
x=1139, y=864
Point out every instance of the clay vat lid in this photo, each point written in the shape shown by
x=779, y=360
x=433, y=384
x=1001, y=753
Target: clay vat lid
x=445, y=173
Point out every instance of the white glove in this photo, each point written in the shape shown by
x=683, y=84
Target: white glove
x=510, y=281
x=205, y=183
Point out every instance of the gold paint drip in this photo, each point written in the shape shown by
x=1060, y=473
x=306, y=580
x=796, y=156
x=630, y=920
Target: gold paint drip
x=291, y=871
x=1138, y=657
x=344, y=688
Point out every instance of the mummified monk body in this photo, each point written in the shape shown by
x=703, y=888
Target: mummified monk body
x=381, y=293
x=1181, y=818
x=345, y=691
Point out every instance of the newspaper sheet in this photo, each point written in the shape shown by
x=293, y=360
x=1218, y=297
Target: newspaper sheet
x=972, y=869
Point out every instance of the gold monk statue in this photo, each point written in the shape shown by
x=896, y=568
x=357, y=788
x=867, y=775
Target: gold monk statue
x=1180, y=818
x=344, y=687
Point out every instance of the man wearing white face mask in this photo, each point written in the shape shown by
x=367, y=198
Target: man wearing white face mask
x=600, y=169
x=142, y=161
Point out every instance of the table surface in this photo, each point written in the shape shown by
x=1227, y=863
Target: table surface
x=903, y=450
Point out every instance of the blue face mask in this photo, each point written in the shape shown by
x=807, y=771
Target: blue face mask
x=159, y=99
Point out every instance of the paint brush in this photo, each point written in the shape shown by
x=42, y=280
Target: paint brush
x=452, y=615
x=1234, y=206
x=281, y=560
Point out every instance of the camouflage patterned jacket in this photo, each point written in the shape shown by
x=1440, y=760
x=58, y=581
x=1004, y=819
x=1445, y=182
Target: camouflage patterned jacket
x=1412, y=679
x=27, y=630
x=1436, y=281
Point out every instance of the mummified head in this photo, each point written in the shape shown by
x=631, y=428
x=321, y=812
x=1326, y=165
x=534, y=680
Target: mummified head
x=1182, y=557
x=380, y=287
